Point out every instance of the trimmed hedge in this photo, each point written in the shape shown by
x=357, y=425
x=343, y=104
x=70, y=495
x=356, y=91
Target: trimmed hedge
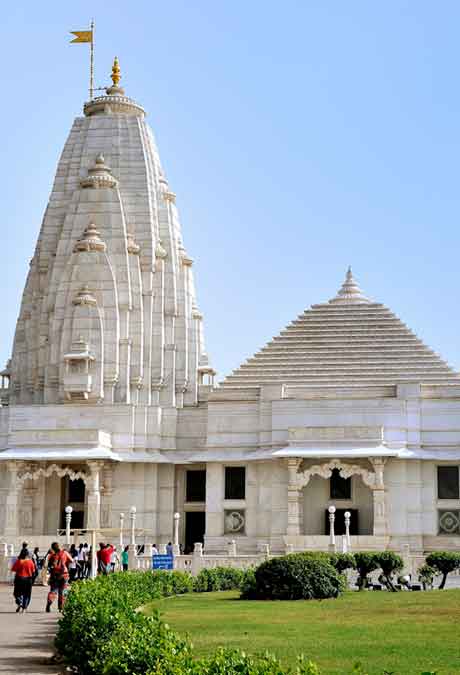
x=101, y=631
x=298, y=576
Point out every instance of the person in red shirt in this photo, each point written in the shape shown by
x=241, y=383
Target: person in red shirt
x=24, y=569
x=104, y=556
x=58, y=566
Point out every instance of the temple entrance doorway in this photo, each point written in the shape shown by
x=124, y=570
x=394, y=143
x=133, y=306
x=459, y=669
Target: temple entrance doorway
x=73, y=493
x=194, y=529
x=346, y=494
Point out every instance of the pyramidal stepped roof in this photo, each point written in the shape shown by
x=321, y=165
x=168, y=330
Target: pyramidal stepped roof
x=349, y=340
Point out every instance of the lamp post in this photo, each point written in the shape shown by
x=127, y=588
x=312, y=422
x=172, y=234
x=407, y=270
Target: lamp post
x=132, y=543
x=132, y=516
x=122, y=519
x=68, y=518
x=176, y=548
x=331, y=510
x=347, y=516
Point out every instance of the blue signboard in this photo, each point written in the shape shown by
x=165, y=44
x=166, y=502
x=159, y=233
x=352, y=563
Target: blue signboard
x=162, y=562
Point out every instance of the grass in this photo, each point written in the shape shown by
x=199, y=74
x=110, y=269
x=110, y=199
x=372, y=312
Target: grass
x=404, y=633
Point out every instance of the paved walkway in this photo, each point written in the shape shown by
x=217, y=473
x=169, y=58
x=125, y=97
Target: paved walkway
x=26, y=640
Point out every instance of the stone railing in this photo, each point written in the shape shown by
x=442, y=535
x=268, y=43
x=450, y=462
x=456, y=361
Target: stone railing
x=199, y=560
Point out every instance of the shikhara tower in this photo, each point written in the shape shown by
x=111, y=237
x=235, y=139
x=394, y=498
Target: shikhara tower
x=109, y=313
x=111, y=402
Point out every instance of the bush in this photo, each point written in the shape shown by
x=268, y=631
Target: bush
x=444, y=562
x=218, y=579
x=343, y=561
x=366, y=562
x=298, y=576
x=426, y=575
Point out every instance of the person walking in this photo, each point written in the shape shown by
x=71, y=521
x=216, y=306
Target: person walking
x=73, y=565
x=169, y=548
x=37, y=562
x=114, y=559
x=104, y=556
x=58, y=565
x=125, y=558
x=155, y=550
x=81, y=562
x=24, y=569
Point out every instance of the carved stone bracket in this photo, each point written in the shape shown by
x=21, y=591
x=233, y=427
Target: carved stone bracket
x=346, y=470
x=31, y=474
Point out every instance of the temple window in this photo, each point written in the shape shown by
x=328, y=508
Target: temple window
x=448, y=482
x=235, y=482
x=195, y=488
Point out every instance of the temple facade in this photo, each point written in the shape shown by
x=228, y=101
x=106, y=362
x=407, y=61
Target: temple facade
x=109, y=401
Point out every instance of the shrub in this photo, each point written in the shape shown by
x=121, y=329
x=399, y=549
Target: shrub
x=218, y=579
x=366, y=562
x=298, y=576
x=343, y=561
x=444, y=562
x=426, y=575
x=390, y=562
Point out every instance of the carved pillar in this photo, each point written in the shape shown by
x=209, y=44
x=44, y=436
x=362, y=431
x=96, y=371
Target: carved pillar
x=93, y=483
x=27, y=504
x=107, y=494
x=380, y=519
x=12, y=500
x=294, y=515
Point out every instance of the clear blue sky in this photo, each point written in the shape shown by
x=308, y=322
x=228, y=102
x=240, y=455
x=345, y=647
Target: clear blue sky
x=300, y=137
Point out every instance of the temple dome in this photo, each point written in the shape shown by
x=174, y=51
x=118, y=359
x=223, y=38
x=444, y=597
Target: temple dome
x=347, y=341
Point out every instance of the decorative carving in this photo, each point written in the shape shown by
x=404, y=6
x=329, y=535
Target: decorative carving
x=90, y=240
x=449, y=522
x=131, y=245
x=160, y=251
x=99, y=176
x=48, y=471
x=234, y=522
x=345, y=470
x=85, y=297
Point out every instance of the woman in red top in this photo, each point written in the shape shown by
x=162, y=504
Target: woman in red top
x=24, y=568
x=58, y=566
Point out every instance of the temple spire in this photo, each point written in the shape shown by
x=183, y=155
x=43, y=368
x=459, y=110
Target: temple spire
x=350, y=292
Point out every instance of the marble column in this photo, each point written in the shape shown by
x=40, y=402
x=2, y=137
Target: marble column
x=294, y=515
x=380, y=519
x=107, y=494
x=93, y=484
x=214, y=500
x=12, y=501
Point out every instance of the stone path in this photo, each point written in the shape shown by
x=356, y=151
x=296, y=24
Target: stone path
x=26, y=640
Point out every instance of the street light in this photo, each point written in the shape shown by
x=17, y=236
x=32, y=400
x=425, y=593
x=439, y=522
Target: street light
x=331, y=510
x=122, y=518
x=68, y=518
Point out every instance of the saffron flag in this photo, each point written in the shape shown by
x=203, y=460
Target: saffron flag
x=82, y=36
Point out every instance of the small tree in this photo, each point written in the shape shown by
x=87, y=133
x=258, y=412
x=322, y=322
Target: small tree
x=343, y=561
x=390, y=562
x=426, y=575
x=444, y=562
x=366, y=562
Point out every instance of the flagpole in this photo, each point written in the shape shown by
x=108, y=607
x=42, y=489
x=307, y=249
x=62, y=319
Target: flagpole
x=91, y=65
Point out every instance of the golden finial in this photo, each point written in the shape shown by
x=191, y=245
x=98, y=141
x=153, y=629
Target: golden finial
x=116, y=73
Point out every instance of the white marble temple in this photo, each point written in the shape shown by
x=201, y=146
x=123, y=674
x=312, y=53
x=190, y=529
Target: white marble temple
x=109, y=402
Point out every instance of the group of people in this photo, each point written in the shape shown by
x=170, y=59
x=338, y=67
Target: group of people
x=26, y=569
x=60, y=568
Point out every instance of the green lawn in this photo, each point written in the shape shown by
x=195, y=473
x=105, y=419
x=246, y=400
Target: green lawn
x=406, y=633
